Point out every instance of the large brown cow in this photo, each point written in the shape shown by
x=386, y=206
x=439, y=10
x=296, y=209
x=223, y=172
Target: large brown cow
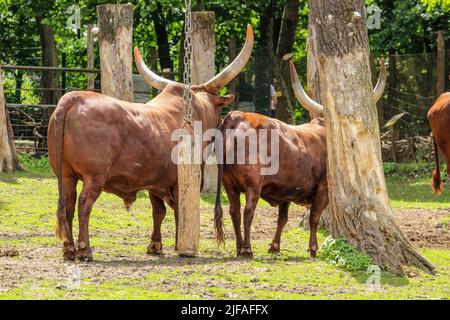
x=122, y=148
x=439, y=119
x=301, y=177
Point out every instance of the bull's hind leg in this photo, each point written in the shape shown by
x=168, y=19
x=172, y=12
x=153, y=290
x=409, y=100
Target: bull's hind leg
x=158, y=213
x=90, y=192
x=234, y=198
x=281, y=222
x=319, y=204
x=251, y=200
x=70, y=198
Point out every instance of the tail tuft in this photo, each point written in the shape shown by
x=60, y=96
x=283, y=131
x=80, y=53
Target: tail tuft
x=437, y=182
x=62, y=227
x=218, y=224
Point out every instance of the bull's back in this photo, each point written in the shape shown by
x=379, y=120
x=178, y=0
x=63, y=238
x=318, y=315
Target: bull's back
x=114, y=141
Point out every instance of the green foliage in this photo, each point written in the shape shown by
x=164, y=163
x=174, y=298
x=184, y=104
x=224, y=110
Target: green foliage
x=432, y=4
x=409, y=169
x=344, y=255
x=34, y=165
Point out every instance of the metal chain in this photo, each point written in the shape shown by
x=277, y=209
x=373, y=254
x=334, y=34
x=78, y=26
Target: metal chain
x=187, y=94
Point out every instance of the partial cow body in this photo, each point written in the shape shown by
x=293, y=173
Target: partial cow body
x=302, y=174
x=301, y=177
x=439, y=119
x=122, y=148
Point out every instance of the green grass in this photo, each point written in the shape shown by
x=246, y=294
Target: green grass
x=122, y=270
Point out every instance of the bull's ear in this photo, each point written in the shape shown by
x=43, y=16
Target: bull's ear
x=224, y=100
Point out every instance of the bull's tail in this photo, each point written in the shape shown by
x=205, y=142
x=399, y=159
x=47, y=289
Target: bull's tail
x=436, y=180
x=64, y=105
x=218, y=212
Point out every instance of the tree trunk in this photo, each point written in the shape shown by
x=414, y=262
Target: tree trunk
x=49, y=79
x=232, y=84
x=90, y=56
x=285, y=45
x=162, y=38
x=203, y=54
x=6, y=157
x=359, y=203
x=263, y=59
x=115, y=24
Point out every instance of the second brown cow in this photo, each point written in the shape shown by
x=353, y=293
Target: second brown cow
x=301, y=176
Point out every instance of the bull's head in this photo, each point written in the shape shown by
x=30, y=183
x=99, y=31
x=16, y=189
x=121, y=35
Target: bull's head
x=317, y=109
x=208, y=91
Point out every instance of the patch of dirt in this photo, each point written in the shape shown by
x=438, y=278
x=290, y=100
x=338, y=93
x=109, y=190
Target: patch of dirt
x=423, y=227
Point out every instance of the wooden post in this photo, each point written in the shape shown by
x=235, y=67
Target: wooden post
x=189, y=174
x=90, y=56
x=440, y=64
x=203, y=54
x=115, y=24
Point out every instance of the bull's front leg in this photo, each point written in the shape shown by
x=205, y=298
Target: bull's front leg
x=158, y=213
x=281, y=222
x=90, y=192
x=251, y=200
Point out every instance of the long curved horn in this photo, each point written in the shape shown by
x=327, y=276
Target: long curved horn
x=307, y=103
x=149, y=76
x=233, y=69
x=381, y=83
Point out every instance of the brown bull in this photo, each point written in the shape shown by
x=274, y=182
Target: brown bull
x=122, y=148
x=439, y=119
x=301, y=176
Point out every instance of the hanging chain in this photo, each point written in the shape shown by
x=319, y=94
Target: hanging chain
x=187, y=94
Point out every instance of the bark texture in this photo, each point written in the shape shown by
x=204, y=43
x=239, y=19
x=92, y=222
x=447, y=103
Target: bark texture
x=115, y=34
x=203, y=54
x=359, y=203
x=6, y=157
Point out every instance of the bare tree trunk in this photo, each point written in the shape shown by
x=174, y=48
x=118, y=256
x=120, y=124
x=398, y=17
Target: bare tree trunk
x=115, y=24
x=359, y=203
x=162, y=38
x=263, y=59
x=285, y=45
x=6, y=157
x=50, y=79
x=231, y=57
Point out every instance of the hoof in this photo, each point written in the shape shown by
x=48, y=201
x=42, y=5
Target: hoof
x=85, y=257
x=84, y=252
x=245, y=253
x=312, y=252
x=69, y=252
x=274, y=248
x=155, y=248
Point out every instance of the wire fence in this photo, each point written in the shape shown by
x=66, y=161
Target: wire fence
x=411, y=89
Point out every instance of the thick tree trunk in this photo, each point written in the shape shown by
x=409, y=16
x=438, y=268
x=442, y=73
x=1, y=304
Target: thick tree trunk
x=281, y=69
x=162, y=39
x=203, y=54
x=359, y=203
x=115, y=24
